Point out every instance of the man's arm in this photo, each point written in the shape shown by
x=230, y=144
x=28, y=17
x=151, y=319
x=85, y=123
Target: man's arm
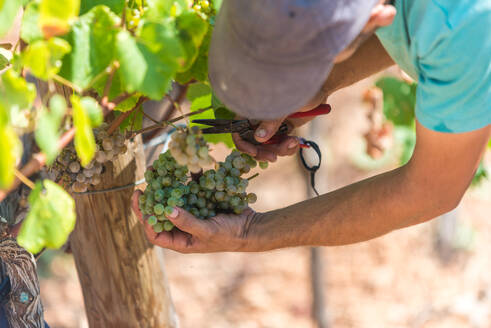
x=432, y=183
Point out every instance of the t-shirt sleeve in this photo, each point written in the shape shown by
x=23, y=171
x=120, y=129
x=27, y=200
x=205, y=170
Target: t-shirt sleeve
x=454, y=87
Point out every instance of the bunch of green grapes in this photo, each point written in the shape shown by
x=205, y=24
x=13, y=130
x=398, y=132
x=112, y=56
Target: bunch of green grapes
x=188, y=147
x=70, y=172
x=222, y=190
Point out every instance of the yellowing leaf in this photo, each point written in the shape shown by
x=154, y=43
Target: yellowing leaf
x=43, y=58
x=84, y=137
x=55, y=16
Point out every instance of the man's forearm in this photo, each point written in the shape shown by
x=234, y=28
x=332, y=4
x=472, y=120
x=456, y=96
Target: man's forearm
x=369, y=59
x=356, y=213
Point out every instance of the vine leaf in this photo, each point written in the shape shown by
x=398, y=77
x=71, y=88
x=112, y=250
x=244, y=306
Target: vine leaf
x=199, y=70
x=4, y=62
x=149, y=72
x=92, y=39
x=30, y=30
x=43, y=58
x=8, y=11
x=55, y=17
x=192, y=31
x=200, y=96
x=50, y=220
x=115, y=5
x=10, y=150
x=84, y=137
x=47, y=129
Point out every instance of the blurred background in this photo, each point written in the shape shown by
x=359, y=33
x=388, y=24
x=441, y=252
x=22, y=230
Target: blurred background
x=432, y=275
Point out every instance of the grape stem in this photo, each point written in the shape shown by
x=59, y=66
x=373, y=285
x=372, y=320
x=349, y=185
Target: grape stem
x=25, y=180
x=109, y=81
x=67, y=83
x=166, y=123
x=253, y=177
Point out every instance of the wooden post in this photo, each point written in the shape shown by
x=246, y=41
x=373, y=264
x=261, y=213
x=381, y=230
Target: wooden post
x=122, y=280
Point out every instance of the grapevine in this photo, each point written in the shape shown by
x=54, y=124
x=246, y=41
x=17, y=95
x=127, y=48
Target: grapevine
x=214, y=191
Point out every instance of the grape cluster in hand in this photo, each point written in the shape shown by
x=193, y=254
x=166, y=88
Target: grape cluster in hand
x=70, y=172
x=205, y=195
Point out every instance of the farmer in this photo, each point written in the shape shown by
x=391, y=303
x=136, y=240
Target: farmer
x=271, y=58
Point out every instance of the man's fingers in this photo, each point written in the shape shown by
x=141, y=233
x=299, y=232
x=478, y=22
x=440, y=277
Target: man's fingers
x=267, y=129
x=288, y=146
x=243, y=145
x=186, y=222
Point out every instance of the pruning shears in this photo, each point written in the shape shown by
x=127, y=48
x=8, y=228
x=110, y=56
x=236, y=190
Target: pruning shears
x=246, y=128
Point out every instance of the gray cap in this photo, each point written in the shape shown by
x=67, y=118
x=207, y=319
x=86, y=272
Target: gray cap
x=268, y=58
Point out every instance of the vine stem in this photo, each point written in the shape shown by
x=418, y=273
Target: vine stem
x=166, y=123
x=253, y=177
x=67, y=83
x=37, y=161
x=120, y=119
x=25, y=180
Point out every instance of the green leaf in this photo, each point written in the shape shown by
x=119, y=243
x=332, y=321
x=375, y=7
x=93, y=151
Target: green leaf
x=84, y=137
x=115, y=5
x=92, y=40
x=480, y=175
x=30, y=30
x=50, y=220
x=9, y=151
x=141, y=69
x=47, y=130
x=163, y=9
x=192, y=30
x=55, y=17
x=199, y=94
x=93, y=110
x=399, y=100
x=199, y=70
x=15, y=92
x=131, y=123
x=8, y=12
x=43, y=58
x=406, y=138
x=4, y=62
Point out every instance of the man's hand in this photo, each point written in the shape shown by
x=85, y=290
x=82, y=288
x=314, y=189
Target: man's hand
x=223, y=233
x=267, y=129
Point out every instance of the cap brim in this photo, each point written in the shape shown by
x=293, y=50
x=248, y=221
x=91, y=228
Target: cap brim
x=257, y=89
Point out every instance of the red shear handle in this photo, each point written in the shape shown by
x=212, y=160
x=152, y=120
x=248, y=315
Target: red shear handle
x=320, y=110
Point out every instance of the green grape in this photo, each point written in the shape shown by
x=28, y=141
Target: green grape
x=148, y=176
x=251, y=198
x=194, y=188
x=159, y=195
x=203, y=152
x=227, y=165
x=208, y=194
x=231, y=190
x=235, y=201
x=235, y=172
x=168, y=226
x=168, y=210
x=156, y=184
x=180, y=173
x=203, y=212
x=192, y=199
x=201, y=194
x=229, y=181
x=220, y=186
x=191, y=140
x=210, y=205
x=223, y=205
x=180, y=202
x=158, y=209
x=161, y=218
x=176, y=193
x=172, y=202
x=194, y=211
x=210, y=184
x=220, y=196
x=212, y=214
x=263, y=165
x=201, y=202
x=142, y=198
x=152, y=220
x=162, y=171
x=159, y=227
x=238, y=162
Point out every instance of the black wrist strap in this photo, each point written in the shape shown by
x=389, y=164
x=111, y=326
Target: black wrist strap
x=312, y=169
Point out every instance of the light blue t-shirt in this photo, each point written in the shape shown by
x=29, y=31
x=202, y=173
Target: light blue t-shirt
x=445, y=45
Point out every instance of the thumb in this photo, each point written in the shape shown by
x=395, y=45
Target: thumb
x=267, y=129
x=186, y=222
